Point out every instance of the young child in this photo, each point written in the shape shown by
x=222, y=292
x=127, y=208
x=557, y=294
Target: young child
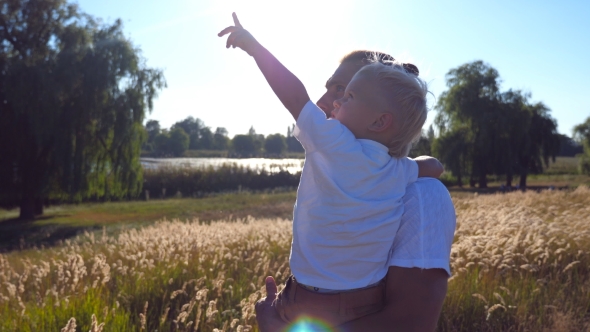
x=349, y=200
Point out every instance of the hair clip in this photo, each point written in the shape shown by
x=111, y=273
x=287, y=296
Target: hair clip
x=410, y=68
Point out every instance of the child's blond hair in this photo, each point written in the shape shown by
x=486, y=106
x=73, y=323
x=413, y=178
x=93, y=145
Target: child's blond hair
x=408, y=93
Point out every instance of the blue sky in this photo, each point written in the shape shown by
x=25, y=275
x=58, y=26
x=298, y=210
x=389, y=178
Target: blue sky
x=541, y=47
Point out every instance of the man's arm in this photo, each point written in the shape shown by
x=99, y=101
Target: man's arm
x=414, y=299
x=285, y=85
x=429, y=167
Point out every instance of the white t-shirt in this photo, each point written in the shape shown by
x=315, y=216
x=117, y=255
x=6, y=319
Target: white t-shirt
x=349, y=205
x=427, y=227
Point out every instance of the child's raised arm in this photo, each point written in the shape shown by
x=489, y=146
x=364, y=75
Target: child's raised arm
x=285, y=85
x=429, y=167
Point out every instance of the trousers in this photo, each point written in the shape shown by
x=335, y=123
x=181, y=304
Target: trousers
x=295, y=303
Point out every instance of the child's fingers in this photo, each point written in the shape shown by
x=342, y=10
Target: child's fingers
x=228, y=30
x=231, y=40
x=236, y=21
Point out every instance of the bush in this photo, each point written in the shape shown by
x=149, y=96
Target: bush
x=195, y=182
x=448, y=179
x=584, y=164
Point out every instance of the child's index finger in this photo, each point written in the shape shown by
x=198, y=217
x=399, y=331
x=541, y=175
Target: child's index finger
x=236, y=21
x=226, y=31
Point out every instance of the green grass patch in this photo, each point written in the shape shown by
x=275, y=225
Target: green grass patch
x=563, y=165
x=64, y=221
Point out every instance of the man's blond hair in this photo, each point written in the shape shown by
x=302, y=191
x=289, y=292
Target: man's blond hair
x=367, y=57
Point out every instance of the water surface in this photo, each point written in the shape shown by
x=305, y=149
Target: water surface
x=270, y=165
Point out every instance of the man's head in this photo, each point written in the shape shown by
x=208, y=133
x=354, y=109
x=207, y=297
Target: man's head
x=349, y=65
x=384, y=102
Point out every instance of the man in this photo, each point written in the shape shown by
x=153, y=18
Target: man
x=416, y=283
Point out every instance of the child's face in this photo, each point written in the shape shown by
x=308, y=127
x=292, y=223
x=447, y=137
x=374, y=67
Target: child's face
x=360, y=106
x=336, y=85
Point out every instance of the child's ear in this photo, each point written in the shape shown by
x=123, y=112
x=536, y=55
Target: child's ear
x=382, y=123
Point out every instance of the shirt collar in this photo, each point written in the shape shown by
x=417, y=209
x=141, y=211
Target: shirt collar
x=376, y=149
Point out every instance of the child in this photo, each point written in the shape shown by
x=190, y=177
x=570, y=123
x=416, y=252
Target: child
x=349, y=198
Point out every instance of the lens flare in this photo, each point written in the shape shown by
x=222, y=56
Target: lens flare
x=308, y=324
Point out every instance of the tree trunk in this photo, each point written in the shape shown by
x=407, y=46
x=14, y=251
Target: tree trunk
x=483, y=181
x=38, y=206
x=523, y=180
x=459, y=181
x=509, y=180
x=31, y=200
x=27, y=208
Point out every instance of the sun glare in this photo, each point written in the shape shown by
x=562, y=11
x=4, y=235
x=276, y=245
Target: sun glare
x=291, y=28
x=308, y=324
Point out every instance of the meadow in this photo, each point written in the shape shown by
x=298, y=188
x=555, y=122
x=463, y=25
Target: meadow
x=520, y=262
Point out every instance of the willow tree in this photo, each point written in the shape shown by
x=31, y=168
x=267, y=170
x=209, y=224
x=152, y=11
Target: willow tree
x=540, y=143
x=484, y=131
x=73, y=97
x=582, y=135
x=467, y=112
x=454, y=148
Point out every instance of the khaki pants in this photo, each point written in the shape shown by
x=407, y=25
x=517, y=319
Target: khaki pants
x=295, y=302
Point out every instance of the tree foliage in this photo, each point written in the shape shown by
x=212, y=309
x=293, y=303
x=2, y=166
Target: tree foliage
x=244, y=145
x=178, y=142
x=73, y=96
x=423, y=146
x=484, y=131
x=220, y=139
x=275, y=144
x=293, y=145
x=192, y=127
x=469, y=103
x=582, y=135
x=568, y=147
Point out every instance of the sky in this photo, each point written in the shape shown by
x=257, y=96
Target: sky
x=540, y=47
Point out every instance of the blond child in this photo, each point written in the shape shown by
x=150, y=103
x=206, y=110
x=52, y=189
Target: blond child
x=349, y=200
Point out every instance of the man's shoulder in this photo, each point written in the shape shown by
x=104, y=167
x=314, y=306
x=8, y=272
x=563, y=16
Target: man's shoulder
x=427, y=186
x=427, y=202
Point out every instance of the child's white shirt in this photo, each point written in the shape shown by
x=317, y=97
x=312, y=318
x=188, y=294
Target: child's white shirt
x=349, y=205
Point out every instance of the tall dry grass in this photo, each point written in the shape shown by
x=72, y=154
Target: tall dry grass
x=520, y=263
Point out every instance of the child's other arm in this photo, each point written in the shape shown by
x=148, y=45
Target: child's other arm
x=285, y=85
x=429, y=167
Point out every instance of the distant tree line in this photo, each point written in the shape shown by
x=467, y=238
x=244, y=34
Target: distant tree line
x=192, y=134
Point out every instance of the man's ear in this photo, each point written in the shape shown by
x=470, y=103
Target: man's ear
x=382, y=123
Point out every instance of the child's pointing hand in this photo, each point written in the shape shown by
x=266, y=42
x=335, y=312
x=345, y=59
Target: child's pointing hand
x=239, y=37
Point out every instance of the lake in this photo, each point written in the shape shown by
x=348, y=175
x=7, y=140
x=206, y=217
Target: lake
x=271, y=165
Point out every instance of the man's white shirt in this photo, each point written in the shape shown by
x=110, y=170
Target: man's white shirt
x=427, y=227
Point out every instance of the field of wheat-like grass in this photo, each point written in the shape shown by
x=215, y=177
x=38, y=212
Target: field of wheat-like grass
x=520, y=262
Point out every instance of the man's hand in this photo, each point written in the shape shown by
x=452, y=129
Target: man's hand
x=239, y=37
x=266, y=314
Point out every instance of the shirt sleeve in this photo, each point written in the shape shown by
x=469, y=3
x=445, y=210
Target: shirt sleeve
x=410, y=169
x=427, y=227
x=315, y=132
